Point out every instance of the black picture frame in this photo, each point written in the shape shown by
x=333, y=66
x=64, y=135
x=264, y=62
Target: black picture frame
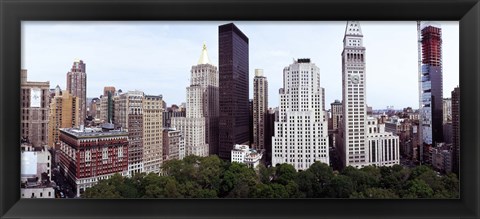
x=12, y=12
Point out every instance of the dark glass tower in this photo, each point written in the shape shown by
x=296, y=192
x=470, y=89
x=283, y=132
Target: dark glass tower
x=432, y=86
x=233, y=88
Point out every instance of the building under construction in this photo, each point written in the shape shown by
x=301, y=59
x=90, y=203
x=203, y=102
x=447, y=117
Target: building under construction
x=431, y=85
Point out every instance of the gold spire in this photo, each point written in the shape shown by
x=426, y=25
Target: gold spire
x=204, y=56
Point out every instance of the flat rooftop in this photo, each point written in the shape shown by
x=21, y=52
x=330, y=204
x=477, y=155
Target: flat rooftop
x=92, y=132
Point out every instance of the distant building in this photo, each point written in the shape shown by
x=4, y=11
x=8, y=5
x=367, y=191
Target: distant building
x=88, y=155
x=456, y=130
x=337, y=114
x=168, y=115
x=260, y=110
x=301, y=133
x=109, y=89
x=173, y=144
x=93, y=107
x=36, y=173
x=64, y=113
x=243, y=154
x=272, y=114
x=34, y=111
x=447, y=110
x=442, y=158
x=77, y=86
x=233, y=89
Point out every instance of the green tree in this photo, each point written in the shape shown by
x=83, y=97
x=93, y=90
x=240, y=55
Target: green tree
x=341, y=187
x=265, y=174
x=418, y=188
x=379, y=193
x=238, y=181
x=284, y=173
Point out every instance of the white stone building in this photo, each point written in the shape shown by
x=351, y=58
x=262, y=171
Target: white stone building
x=243, y=154
x=200, y=126
x=364, y=141
x=301, y=133
x=383, y=147
x=354, y=147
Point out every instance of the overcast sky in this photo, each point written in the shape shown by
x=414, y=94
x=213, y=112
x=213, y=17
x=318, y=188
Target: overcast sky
x=156, y=57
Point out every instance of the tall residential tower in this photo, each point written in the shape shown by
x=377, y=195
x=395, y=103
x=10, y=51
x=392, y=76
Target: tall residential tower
x=431, y=84
x=260, y=109
x=77, y=86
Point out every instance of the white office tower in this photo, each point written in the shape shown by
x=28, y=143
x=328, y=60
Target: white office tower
x=383, y=147
x=301, y=134
x=364, y=142
x=200, y=126
x=354, y=97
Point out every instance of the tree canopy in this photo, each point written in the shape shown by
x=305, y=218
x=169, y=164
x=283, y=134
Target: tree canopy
x=211, y=177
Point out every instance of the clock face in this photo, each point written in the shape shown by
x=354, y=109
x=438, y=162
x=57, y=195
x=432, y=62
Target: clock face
x=355, y=79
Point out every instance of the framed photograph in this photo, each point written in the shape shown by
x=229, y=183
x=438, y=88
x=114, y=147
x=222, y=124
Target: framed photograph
x=89, y=149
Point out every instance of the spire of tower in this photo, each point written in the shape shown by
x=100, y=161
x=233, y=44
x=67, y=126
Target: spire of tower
x=204, y=57
x=353, y=28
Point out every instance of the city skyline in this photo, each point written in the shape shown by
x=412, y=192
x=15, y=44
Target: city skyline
x=164, y=52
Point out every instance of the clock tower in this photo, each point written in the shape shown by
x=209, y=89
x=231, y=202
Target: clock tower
x=354, y=148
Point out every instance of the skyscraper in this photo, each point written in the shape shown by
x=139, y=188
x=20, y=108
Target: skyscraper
x=456, y=130
x=34, y=110
x=363, y=139
x=200, y=126
x=354, y=97
x=233, y=89
x=260, y=109
x=301, y=133
x=77, y=86
x=431, y=84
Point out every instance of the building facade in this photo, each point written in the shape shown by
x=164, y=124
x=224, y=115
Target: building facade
x=431, y=84
x=456, y=130
x=64, y=113
x=77, y=86
x=34, y=110
x=152, y=133
x=90, y=155
x=173, y=144
x=200, y=126
x=447, y=110
x=383, y=147
x=301, y=133
x=260, y=110
x=233, y=89
x=36, y=174
x=337, y=114
x=354, y=148
x=243, y=154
